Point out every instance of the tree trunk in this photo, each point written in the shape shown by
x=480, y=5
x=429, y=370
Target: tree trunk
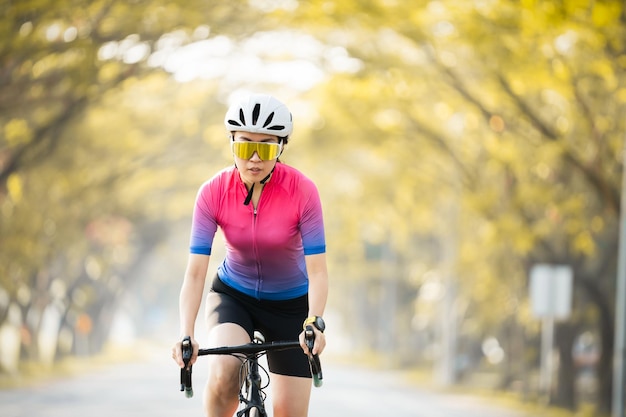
x=565, y=391
x=605, y=363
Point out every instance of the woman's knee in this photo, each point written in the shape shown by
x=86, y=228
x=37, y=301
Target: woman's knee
x=224, y=370
x=224, y=376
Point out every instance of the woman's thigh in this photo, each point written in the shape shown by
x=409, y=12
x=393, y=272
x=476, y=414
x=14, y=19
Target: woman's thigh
x=290, y=395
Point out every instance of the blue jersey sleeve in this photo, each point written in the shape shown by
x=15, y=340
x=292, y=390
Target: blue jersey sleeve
x=204, y=224
x=312, y=222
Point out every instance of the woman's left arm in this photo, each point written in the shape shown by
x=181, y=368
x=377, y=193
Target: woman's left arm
x=318, y=293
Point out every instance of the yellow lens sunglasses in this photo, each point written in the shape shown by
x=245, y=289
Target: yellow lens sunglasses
x=266, y=151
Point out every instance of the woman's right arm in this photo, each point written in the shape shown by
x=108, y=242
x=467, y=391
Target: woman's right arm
x=189, y=301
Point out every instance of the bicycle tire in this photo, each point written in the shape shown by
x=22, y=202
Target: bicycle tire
x=255, y=412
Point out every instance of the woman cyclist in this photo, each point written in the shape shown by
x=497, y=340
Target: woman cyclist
x=274, y=276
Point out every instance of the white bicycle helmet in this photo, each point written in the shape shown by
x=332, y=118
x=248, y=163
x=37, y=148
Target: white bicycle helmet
x=259, y=113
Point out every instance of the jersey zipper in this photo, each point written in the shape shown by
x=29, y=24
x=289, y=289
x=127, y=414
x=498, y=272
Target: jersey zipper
x=259, y=283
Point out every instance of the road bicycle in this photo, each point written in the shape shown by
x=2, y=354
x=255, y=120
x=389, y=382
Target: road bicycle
x=251, y=387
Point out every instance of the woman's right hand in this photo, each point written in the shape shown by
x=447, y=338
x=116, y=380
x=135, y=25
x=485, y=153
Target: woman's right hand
x=177, y=353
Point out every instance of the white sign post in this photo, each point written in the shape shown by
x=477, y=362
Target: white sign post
x=551, y=299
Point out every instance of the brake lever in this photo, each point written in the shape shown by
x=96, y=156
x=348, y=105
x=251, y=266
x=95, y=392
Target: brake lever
x=314, y=360
x=185, y=372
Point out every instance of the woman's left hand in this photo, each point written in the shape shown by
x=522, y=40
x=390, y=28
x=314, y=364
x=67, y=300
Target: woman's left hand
x=320, y=342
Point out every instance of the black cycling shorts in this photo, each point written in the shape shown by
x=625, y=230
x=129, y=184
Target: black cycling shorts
x=276, y=320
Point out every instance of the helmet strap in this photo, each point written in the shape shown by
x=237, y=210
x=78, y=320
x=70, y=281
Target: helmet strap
x=251, y=190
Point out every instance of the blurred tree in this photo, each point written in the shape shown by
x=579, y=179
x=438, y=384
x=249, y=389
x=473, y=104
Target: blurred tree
x=469, y=141
x=76, y=209
x=526, y=100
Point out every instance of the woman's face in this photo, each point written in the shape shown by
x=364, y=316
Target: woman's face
x=253, y=169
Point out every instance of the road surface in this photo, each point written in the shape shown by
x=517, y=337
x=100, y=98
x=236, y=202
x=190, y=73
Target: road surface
x=150, y=388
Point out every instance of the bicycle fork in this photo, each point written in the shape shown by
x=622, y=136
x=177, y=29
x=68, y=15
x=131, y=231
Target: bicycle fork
x=254, y=404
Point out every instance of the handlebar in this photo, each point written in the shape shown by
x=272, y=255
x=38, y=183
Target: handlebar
x=248, y=349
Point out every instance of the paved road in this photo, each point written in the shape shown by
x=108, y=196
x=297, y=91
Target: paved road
x=360, y=392
x=151, y=389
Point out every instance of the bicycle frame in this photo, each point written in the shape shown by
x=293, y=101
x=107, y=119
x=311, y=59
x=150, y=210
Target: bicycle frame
x=251, y=395
x=253, y=404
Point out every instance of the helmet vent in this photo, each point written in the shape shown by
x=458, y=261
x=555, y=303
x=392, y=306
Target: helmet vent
x=255, y=113
x=269, y=119
x=242, y=117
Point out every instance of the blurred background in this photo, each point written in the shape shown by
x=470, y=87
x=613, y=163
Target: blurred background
x=456, y=144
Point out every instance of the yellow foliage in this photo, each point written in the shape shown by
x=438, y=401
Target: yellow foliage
x=382, y=142
x=583, y=243
x=605, y=13
x=17, y=132
x=190, y=124
x=604, y=70
x=109, y=71
x=15, y=187
x=597, y=224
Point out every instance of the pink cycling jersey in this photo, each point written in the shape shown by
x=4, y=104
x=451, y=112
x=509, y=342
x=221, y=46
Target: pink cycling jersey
x=265, y=247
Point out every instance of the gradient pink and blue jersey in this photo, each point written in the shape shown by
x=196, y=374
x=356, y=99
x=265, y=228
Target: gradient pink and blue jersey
x=265, y=248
